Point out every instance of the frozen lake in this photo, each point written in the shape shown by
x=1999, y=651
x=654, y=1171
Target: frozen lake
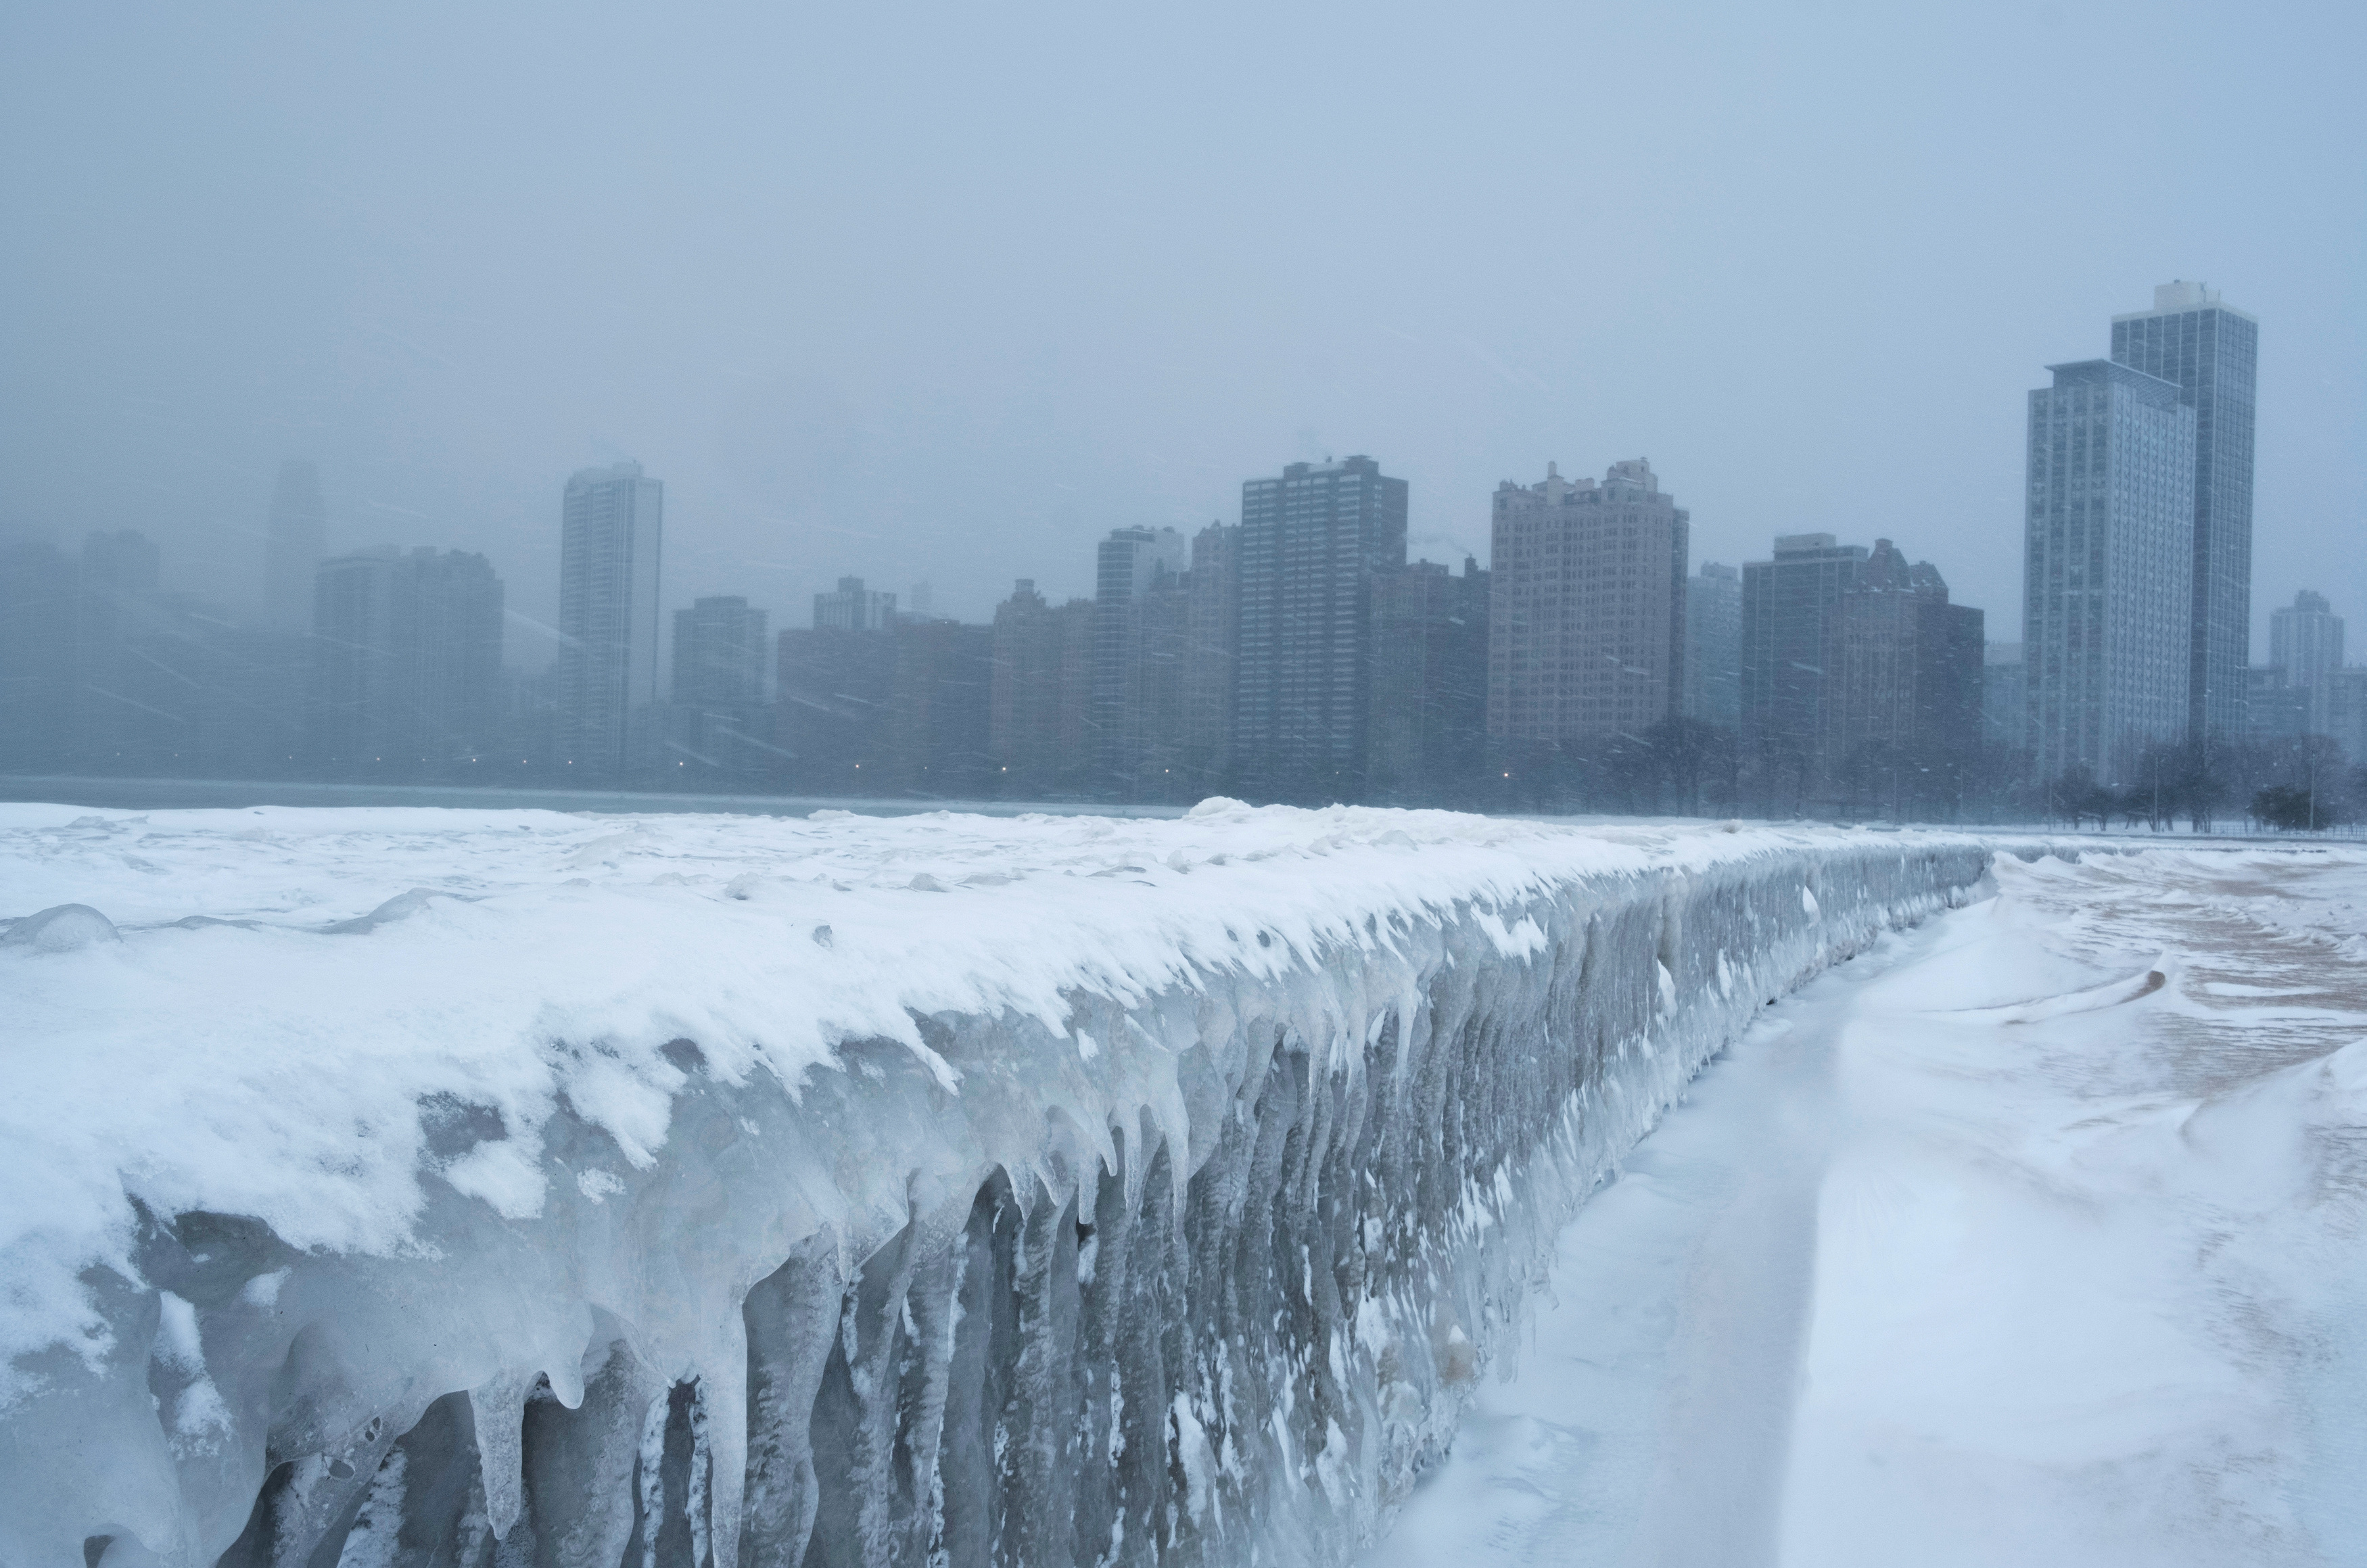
x=1989, y=1246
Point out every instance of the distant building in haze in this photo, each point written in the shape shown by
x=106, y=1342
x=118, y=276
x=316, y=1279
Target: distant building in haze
x=39, y=701
x=2306, y=641
x=2343, y=711
x=294, y=541
x=1790, y=606
x=1037, y=750
x=1139, y=621
x=116, y=607
x=1429, y=726
x=2108, y=562
x=854, y=608
x=831, y=700
x=406, y=663
x=939, y=708
x=1215, y=610
x=2003, y=712
x=719, y=719
x=612, y=530
x=719, y=650
x=1311, y=541
x=2210, y=351
x=1587, y=617
x=1714, y=645
x=1903, y=669
x=2274, y=711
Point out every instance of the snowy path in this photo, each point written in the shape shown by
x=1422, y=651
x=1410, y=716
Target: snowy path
x=1986, y=1247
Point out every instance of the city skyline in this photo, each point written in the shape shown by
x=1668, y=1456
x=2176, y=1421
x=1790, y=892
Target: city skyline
x=1856, y=684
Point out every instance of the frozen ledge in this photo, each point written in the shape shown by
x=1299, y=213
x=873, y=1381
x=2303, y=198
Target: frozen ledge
x=475, y=1188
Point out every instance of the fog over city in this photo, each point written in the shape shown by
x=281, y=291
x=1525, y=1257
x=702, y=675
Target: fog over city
x=943, y=294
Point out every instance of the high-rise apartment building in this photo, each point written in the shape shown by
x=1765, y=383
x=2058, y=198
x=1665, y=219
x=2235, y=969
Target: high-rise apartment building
x=611, y=528
x=1138, y=655
x=293, y=543
x=2108, y=560
x=1429, y=727
x=406, y=663
x=1790, y=604
x=1714, y=645
x=852, y=608
x=2210, y=351
x=1311, y=541
x=1587, y=617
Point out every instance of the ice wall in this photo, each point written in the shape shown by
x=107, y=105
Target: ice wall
x=1198, y=1264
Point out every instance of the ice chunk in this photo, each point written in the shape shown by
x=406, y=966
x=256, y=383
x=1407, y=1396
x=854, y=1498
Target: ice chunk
x=63, y=928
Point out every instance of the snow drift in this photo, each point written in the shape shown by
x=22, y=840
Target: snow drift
x=456, y=1188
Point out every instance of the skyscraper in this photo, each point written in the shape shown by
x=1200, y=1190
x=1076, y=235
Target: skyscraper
x=2107, y=565
x=1311, y=541
x=611, y=528
x=406, y=662
x=2210, y=350
x=1587, y=620
x=1789, y=607
x=1137, y=651
x=292, y=547
x=1714, y=645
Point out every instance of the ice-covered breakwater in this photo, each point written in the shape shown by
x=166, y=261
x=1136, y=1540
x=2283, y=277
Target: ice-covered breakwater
x=426, y=1187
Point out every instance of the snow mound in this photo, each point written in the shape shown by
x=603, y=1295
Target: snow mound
x=690, y=1189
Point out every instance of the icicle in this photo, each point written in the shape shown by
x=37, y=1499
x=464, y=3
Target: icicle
x=499, y=1409
x=723, y=1428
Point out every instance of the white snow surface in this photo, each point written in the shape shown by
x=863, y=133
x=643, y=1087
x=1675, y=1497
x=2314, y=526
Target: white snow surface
x=2031, y=1236
x=279, y=1003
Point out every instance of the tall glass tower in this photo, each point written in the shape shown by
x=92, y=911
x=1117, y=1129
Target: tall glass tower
x=2209, y=349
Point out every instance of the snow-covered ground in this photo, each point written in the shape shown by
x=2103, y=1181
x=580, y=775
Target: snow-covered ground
x=2032, y=1236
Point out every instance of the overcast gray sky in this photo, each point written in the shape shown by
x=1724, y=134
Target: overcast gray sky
x=948, y=291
